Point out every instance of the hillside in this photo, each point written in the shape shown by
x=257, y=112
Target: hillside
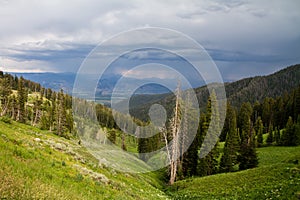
x=37, y=164
x=260, y=87
x=276, y=177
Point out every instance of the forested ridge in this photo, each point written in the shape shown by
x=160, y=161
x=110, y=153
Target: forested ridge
x=257, y=88
x=250, y=90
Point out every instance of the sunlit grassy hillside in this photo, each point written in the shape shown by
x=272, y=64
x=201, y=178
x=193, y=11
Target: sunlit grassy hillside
x=36, y=164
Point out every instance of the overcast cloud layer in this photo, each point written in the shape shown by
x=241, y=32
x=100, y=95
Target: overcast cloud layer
x=244, y=38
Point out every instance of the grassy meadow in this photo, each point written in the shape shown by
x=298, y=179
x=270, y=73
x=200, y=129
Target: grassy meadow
x=276, y=177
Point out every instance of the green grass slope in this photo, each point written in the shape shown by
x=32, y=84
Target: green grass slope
x=277, y=177
x=36, y=164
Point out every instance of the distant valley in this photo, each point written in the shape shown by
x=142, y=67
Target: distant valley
x=65, y=81
x=249, y=89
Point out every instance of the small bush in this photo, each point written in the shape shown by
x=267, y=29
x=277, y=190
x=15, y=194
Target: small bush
x=78, y=177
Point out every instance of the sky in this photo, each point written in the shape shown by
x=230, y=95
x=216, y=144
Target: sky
x=244, y=38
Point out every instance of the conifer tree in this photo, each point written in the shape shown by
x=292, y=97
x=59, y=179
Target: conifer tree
x=288, y=136
x=257, y=112
x=270, y=138
x=37, y=110
x=142, y=143
x=22, y=99
x=277, y=136
x=259, y=131
x=5, y=92
x=61, y=114
x=266, y=112
x=279, y=115
x=209, y=164
x=13, y=106
x=189, y=144
x=190, y=157
x=53, y=111
x=69, y=121
x=297, y=103
x=247, y=157
x=202, y=169
x=245, y=121
x=45, y=121
x=190, y=160
x=297, y=131
x=231, y=148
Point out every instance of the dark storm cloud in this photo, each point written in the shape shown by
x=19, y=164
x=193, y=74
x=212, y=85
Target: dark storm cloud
x=50, y=34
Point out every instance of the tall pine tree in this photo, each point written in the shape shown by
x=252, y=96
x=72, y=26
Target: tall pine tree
x=211, y=129
x=61, y=114
x=270, y=138
x=22, y=99
x=231, y=148
x=5, y=92
x=288, y=136
x=277, y=136
x=259, y=131
x=247, y=157
x=297, y=131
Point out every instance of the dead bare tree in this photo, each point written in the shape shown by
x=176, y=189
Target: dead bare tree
x=175, y=130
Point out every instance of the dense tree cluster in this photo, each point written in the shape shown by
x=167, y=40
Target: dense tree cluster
x=240, y=143
x=277, y=119
x=271, y=122
x=27, y=102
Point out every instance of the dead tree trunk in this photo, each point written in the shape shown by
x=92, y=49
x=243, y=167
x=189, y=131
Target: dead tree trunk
x=175, y=129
